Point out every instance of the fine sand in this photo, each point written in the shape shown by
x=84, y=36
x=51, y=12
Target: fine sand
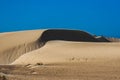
x=66, y=51
x=28, y=55
x=14, y=44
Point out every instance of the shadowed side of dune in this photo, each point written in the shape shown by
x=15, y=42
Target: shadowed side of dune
x=66, y=35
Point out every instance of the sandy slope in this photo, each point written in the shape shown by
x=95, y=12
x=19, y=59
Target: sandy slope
x=66, y=51
x=14, y=44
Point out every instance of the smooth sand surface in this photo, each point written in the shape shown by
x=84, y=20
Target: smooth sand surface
x=67, y=51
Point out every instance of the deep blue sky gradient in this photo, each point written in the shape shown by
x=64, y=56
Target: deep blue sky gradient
x=101, y=17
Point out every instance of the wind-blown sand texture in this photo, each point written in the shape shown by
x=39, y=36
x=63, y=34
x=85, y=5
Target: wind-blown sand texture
x=58, y=55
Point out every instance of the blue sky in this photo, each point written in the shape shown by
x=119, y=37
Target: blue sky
x=101, y=17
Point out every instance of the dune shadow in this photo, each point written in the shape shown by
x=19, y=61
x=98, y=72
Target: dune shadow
x=68, y=35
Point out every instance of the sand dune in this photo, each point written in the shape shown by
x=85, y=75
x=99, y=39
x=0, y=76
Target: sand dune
x=58, y=55
x=15, y=44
